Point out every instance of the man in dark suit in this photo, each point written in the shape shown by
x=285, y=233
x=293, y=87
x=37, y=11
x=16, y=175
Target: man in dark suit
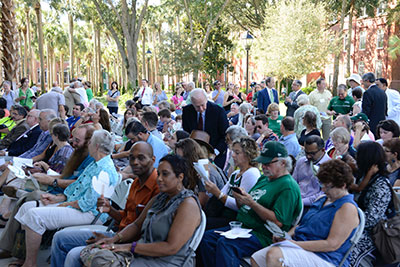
x=28, y=139
x=291, y=100
x=374, y=101
x=209, y=117
x=18, y=114
x=267, y=95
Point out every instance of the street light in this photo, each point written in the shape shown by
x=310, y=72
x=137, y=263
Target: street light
x=148, y=54
x=248, y=41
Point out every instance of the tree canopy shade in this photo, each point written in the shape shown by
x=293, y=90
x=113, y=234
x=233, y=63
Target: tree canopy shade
x=294, y=40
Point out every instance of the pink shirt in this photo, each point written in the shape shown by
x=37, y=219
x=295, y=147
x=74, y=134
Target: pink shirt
x=177, y=100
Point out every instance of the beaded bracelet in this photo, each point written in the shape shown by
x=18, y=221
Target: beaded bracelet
x=133, y=247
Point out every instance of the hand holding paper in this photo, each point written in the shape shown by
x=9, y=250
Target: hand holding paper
x=201, y=166
x=101, y=185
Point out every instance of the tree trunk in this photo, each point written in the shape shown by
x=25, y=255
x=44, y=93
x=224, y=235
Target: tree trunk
x=339, y=50
x=348, y=47
x=53, y=64
x=26, y=72
x=48, y=67
x=21, y=72
x=100, y=76
x=71, y=45
x=40, y=33
x=144, y=73
x=9, y=40
x=31, y=70
x=61, y=70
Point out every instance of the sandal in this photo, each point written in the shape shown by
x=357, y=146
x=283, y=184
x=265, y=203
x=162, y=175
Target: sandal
x=17, y=263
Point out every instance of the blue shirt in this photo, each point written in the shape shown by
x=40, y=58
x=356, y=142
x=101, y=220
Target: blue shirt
x=82, y=189
x=316, y=225
x=72, y=120
x=291, y=143
x=220, y=99
x=75, y=175
x=41, y=144
x=159, y=148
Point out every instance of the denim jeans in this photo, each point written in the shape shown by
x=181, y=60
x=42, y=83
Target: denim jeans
x=216, y=250
x=65, y=241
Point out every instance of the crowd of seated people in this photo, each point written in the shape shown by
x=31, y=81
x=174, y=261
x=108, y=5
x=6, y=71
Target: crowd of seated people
x=263, y=164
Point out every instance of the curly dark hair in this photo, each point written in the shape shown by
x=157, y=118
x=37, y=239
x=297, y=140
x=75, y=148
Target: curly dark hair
x=336, y=172
x=179, y=165
x=250, y=148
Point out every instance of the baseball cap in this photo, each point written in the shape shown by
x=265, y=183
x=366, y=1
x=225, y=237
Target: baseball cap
x=270, y=151
x=360, y=117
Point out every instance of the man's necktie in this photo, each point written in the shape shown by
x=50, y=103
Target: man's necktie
x=200, y=122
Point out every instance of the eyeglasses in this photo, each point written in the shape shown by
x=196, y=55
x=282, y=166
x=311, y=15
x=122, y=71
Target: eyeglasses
x=272, y=162
x=312, y=153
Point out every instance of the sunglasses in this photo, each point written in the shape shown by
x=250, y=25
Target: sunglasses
x=312, y=153
x=272, y=162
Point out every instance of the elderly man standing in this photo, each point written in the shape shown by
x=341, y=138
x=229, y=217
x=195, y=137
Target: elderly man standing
x=291, y=100
x=320, y=99
x=76, y=206
x=340, y=104
x=374, y=102
x=52, y=100
x=206, y=116
x=275, y=197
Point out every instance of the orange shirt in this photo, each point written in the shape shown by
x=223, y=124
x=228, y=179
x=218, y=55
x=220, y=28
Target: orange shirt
x=138, y=198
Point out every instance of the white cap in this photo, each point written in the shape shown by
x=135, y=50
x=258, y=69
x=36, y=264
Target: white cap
x=355, y=77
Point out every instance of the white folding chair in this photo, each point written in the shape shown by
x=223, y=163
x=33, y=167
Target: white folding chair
x=198, y=235
x=356, y=237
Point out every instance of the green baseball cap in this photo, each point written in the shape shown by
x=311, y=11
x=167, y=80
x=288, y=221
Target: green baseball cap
x=360, y=117
x=271, y=150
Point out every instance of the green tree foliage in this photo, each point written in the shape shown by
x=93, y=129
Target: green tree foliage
x=294, y=40
x=218, y=45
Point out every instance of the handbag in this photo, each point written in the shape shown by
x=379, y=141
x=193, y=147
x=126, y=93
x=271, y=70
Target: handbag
x=93, y=256
x=386, y=234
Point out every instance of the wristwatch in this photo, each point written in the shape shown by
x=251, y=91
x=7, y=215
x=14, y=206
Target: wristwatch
x=55, y=183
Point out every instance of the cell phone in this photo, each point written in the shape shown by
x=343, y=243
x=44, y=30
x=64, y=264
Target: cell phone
x=236, y=189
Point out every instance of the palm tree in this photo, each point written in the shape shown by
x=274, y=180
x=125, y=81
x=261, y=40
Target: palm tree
x=9, y=40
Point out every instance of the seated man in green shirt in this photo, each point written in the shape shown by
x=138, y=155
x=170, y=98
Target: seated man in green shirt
x=340, y=104
x=275, y=197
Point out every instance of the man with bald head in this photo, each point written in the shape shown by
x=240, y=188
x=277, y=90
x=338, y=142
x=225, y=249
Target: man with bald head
x=144, y=188
x=206, y=116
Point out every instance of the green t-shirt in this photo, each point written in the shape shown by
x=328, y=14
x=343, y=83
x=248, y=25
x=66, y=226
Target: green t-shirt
x=28, y=98
x=89, y=94
x=275, y=125
x=341, y=106
x=282, y=196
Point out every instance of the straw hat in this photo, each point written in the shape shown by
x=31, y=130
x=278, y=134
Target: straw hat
x=203, y=139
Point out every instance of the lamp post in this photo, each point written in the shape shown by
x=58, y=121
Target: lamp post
x=148, y=54
x=248, y=41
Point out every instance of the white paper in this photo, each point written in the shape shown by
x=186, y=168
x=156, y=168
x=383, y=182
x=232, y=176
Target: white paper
x=202, y=168
x=286, y=243
x=2, y=161
x=52, y=173
x=19, y=162
x=17, y=171
x=102, y=185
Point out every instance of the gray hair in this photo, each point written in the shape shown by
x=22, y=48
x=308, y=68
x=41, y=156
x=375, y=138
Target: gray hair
x=245, y=108
x=342, y=87
x=99, y=105
x=346, y=120
x=370, y=77
x=195, y=93
x=7, y=82
x=191, y=85
x=164, y=103
x=288, y=163
x=235, y=132
x=303, y=100
x=104, y=140
x=50, y=114
x=340, y=134
x=298, y=82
